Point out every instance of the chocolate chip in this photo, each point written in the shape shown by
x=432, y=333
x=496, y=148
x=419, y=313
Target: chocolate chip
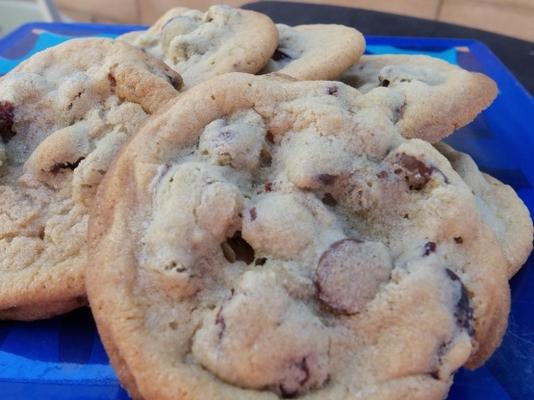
x=287, y=393
x=459, y=239
x=303, y=366
x=383, y=82
x=219, y=320
x=253, y=213
x=350, y=273
x=329, y=200
x=173, y=265
x=326, y=179
x=434, y=375
x=332, y=90
x=228, y=252
x=175, y=80
x=430, y=247
x=269, y=137
x=112, y=80
x=464, y=311
x=268, y=187
x=237, y=249
x=78, y=95
x=417, y=172
x=7, y=113
x=382, y=174
x=289, y=390
x=279, y=55
x=56, y=168
x=398, y=111
x=265, y=158
x=442, y=350
x=260, y=261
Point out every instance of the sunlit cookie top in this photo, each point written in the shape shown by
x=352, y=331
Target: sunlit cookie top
x=282, y=239
x=315, y=52
x=439, y=97
x=201, y=45
x=64, y=115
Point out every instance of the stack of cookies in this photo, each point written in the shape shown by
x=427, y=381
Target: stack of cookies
x=256, y=211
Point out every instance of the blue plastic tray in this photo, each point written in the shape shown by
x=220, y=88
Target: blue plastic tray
x=62, y=358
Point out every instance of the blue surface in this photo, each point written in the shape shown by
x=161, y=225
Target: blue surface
x=62, y=358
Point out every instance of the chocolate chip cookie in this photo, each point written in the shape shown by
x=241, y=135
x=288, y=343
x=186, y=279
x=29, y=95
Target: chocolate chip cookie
x=264, y=238
x=200, y=45
x=439, y=97
x=315, y=52
x=64, y=114
x=500, y=208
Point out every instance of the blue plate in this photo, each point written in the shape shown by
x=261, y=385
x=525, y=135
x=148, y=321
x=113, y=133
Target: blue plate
x=62, y=358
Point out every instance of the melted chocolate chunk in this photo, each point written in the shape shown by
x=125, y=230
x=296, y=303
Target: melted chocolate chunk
x=459, y=240
x=237, y=249
x=464, y=311
x=7, y=113
x=57, y=168
x=329, y=200
x=417, y=173
x=430, y=247
x=349, y=274
x=279, y=55
x=175, y=80
x=326, y=179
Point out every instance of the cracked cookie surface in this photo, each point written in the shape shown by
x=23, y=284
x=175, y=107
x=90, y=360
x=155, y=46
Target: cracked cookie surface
x=64, y=114
x=200, y=45
x=265, y=239
x=315, y=52
x=438, y=97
